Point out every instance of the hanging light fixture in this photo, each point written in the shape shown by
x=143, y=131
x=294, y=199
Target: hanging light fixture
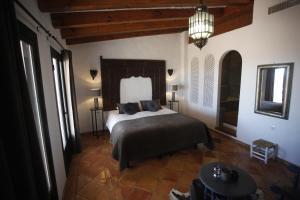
x=201, y=26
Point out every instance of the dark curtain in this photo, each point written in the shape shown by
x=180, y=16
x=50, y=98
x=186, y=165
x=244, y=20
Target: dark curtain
x=67, y=58
x=21, y=161
x=269, y=84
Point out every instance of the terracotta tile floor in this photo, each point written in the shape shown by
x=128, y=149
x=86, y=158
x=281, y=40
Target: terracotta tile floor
x=94, y=174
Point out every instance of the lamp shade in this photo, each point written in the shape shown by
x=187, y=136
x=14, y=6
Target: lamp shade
x=174, y=87
x=96, y=91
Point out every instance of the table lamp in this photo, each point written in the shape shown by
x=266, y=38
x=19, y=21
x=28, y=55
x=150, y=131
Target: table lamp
x=96, y=94
x=174, y=88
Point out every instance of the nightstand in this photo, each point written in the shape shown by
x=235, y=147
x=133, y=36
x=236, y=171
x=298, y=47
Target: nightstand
x=94, y=114
x=171, y=104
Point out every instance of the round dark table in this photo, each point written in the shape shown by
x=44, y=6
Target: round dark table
x=242, y=187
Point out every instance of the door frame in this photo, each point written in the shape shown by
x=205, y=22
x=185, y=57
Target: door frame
x=29, y=36
x=68, y=150
x=220, y=83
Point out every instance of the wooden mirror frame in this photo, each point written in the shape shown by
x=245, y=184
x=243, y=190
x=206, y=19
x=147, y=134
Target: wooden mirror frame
x=287, y=89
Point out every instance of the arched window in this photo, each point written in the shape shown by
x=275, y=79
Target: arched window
x=194, y=89
x=208, y=89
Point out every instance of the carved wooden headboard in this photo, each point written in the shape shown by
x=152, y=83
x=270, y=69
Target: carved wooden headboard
x=113, y=70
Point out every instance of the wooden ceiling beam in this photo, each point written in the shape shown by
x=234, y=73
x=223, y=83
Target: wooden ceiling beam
x=84, y=19
x=233, y=12
x=98, y=20
x=122, y=36
x=109, y=29
x=83, y=5
x=233, y=22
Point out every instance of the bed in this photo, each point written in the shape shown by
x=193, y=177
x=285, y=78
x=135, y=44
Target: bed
x=145, y=133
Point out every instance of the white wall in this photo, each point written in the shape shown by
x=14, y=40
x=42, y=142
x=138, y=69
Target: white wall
x=87, y=56
x=48, y=84
x=270, y=39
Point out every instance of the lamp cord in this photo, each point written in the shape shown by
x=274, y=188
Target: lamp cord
x=200, y=4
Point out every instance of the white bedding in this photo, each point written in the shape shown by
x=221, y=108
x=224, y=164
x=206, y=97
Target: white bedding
x=114, y=116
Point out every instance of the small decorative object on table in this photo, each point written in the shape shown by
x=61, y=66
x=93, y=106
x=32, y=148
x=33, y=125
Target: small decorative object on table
x=263, y=150
x=217, y=171
x=228, y=175
x=225, y=174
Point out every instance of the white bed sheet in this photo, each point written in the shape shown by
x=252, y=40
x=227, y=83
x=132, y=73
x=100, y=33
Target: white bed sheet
x=114, y=116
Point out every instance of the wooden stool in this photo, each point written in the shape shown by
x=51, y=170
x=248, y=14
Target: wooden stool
x=263, y=150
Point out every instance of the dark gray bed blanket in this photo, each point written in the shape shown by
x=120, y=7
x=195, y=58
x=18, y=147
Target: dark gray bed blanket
x=151, y=136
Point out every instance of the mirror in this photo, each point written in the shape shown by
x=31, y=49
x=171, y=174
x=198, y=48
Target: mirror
x=273, y=89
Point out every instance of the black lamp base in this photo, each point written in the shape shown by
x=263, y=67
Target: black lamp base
x=96, y=104
x=173, y=96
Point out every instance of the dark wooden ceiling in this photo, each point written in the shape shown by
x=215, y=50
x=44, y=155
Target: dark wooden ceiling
x=82, y=21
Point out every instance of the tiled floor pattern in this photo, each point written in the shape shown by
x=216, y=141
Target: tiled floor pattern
x=94, y=174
